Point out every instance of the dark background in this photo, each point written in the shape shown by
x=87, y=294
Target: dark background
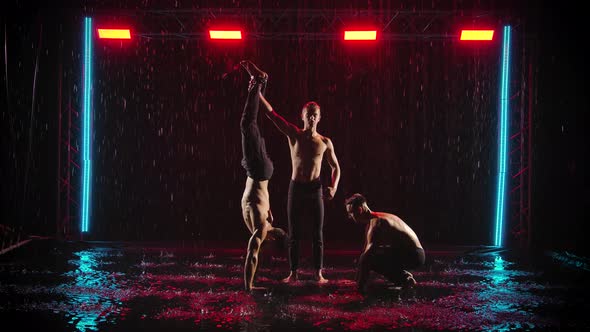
x=413, y=123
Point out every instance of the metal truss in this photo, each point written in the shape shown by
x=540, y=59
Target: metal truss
x=522, y=104
x=308, y=24
x=67, y=170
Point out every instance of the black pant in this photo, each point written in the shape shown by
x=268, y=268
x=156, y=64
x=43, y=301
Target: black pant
x=305, y=197
x=255, y=160
x=391, y=262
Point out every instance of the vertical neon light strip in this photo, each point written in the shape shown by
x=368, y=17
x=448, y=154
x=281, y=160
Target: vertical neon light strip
x=86, y=116
x=503, y=139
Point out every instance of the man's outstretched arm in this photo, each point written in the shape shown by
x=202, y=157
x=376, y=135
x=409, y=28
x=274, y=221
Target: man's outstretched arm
x=283, y=125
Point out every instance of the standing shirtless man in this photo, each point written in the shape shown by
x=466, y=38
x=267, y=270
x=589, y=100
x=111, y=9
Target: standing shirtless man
x=308, y=148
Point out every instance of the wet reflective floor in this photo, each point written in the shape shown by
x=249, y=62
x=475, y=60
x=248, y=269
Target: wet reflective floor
x=106, y=286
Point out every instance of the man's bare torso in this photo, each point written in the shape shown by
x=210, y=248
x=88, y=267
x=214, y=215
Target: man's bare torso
x=307, y=152
x=255, y=201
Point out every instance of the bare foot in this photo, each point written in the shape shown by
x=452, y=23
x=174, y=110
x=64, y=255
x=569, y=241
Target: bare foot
x=320, y=279
x=291, y=278
x=253, y=70
x=255, y=288
x=410, y=282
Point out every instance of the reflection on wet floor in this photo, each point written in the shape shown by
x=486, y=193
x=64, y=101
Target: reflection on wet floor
x=119, y=287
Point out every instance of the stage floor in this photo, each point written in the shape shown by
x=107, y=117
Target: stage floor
x=106, y=286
